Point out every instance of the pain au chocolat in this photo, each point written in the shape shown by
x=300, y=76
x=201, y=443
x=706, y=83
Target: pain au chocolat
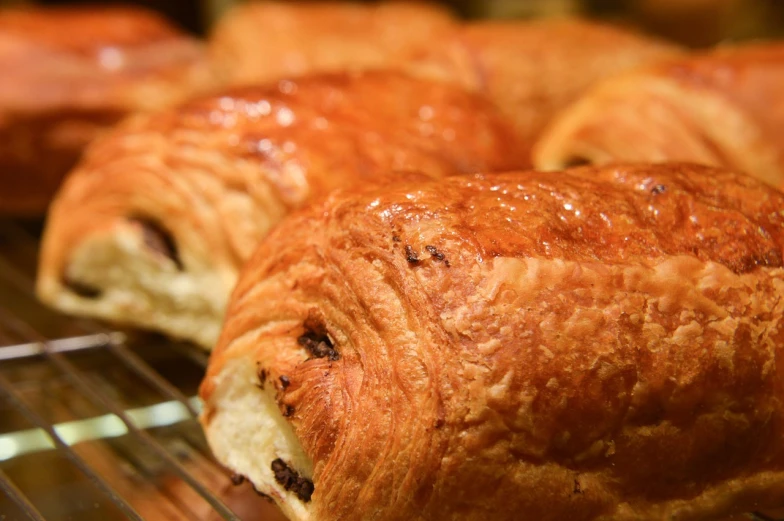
x=724, y=108
x=153, y=225
x=68, y=74
x=604, y=344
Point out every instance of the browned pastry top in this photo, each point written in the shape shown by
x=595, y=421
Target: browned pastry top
x=334, y=129
x=570, y=346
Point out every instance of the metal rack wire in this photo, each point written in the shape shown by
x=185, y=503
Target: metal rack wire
x=101, y=424
x=98, y=424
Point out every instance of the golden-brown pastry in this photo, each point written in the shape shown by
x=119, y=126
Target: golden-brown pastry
x=265, y=41
x=529, y=69
x=155, y=222
x=70, y=73
x=605, y=344
x=723, y=108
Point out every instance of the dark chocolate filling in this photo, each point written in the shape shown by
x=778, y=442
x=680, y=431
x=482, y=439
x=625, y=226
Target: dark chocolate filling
x=316, y=341
x=237, y=479
x=262, y=376
x=411, y=255
x=290, y=480
x=80, y=288
x=575, y=161
x=159, y=240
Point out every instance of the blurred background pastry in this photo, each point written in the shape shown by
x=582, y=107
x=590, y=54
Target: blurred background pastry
x=69, y=74
x=723, y=107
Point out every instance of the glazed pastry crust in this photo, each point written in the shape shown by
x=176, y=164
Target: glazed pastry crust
x=71, y=73
x=153, y=225
x=530, y=70
x=721, y=108
x=602, y=344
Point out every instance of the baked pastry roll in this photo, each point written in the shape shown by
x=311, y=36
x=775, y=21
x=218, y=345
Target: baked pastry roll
x=153, y=225
x=530, y=69
x=602, y=344
x=69, y=74
x=723, y=107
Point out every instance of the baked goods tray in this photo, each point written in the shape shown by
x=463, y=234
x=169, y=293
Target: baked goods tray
x=99, y=424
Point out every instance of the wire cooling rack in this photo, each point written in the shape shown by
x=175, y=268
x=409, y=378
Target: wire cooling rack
x=98, y=424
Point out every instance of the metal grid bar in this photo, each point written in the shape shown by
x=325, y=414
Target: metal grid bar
x=19, y=404
x=112, y=342
x=141, y=368
x=98, y=398
x=8, y=487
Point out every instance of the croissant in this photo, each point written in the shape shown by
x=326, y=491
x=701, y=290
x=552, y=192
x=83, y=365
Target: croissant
x=605, y=344
x=529, y=69
x=71, y=73
x=722, y=108
x=152, y=227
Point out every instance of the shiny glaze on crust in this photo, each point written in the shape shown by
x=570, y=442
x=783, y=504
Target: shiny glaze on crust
x=604, y=345
x=358, y=125
x=325, y=131
x=613, y=215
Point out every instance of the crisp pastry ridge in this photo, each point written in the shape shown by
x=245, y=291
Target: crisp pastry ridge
x=70, y=73
x=154, y=224
x=601, y=344
x=722, y=107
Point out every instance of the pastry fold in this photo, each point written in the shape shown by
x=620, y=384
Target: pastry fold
x=722, y=108
x=153, y=225
x=604, y=344
x=68, y=74
x=529, y=69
